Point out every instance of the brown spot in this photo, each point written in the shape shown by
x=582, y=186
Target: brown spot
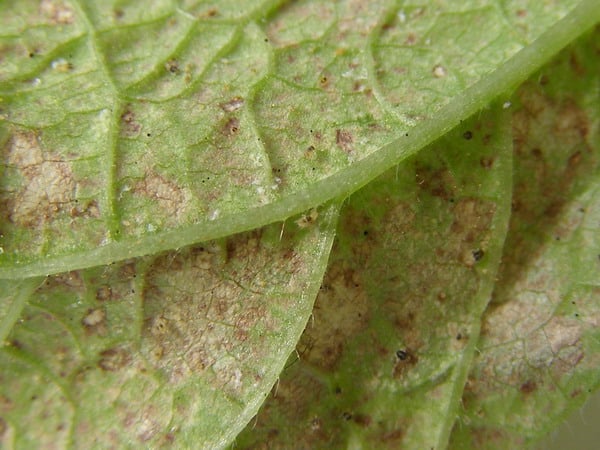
x=316, y=424
x=232, y=105
x=487, y=162
x=172, y=66
x=130, y=126
x=344, y=140
x=438, y=182
x=114, y=359
x=363, y=420
x=576, y=65
x=160, y=326
x=411, y=39
x=57, y=12
x=87, y=210
x=528, y=387
x=95, y=321
x=574, y=160
x=393, y=436
x=211, y=12
x=104, y=293
x=404, y=364
x=231, y=127
x=6, y=404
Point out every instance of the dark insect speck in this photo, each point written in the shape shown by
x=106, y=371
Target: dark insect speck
x=478, y=254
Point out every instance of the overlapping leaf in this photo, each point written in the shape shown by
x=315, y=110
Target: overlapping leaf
x=384, y=361
x=539, y=350
x=178, y=349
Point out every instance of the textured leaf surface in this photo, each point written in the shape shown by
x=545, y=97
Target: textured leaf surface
x=540, y=344
x=176, y=350
x=133, y=127
x=384, y=361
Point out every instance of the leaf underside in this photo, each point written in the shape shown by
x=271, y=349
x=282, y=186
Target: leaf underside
x=230, y=117
x=130, y=130
x=179, y=348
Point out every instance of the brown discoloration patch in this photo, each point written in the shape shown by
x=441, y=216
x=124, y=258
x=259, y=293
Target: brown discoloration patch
x=172, y=66
x=129, y=124
x=393, y=436
x=104, y=293
x=87, y=210
x=528, y=387
x=343, y=301
x=363, y=420
x=404, y=364
x=114, y=359
x=487, y=162
x=72, y=280
x=472, y=219
x=94, y=321
x=344, y=140
x=171, y=198
x=211, y=325
x=48, y=186
x=550, y=163
x=231, y=127
x=57, y=12
x=438, y=182
x=232, y=105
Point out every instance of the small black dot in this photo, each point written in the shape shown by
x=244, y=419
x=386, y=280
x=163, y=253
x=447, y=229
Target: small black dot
x=346, y=415
x=366, y=233
x=338, y=390
x=478, y=254
x=406, y=134
x=468, y=135
x=402, y=355
x=458, y=337
x=148, y=134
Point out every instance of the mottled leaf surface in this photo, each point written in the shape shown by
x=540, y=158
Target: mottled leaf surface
x=176, y=350
x=384, y=361
x=128, y=128
x=539, y=352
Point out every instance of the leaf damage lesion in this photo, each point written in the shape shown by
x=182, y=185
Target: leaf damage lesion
x=173, y=200
x=49, y=185
x=206, y=309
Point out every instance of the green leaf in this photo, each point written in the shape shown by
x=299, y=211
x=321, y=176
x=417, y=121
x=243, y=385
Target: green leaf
x=176, y=349
x=129, y=128
x=384, y=361
x=540, y=345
